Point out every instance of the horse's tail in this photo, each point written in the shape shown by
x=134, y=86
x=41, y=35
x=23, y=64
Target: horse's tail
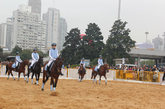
x=92, y=74
x=6, y=69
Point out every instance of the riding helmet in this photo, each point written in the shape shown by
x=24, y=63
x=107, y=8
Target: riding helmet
x=54, y=44
x=34, y=49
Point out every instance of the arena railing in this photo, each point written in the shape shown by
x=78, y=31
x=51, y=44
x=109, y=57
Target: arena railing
x=148, y=76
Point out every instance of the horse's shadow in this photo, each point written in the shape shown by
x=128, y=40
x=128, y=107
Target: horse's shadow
x=54, y=94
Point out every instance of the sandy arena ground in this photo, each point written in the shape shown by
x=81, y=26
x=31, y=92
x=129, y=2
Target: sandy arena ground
x=71, y=94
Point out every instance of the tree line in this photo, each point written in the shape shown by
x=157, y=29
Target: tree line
x=91, y=45
x=25, y=54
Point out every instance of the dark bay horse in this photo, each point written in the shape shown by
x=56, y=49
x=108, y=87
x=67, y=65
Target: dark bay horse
x=55, y=71
x=20, y=69
x=81, y=72
x=36, y=70
x=102, y=72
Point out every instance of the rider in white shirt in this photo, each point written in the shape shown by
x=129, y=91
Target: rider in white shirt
x=53, y=54
x=17, y=60
x=35, y=57
x=100, y=63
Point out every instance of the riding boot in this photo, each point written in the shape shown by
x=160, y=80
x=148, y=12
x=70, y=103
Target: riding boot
x=98, y=70
x=48, y=74
x=16, y=68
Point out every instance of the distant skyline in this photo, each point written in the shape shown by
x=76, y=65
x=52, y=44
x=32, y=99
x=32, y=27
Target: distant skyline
x=141, y=15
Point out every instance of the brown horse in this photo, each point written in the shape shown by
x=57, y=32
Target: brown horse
x=20, y=69
x=102, y=72
x=81, y=72
x=55, y=71
x=36, y=70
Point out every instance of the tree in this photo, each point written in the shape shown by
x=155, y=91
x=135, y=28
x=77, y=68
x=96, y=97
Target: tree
x=119, y=43
x=93, y=42
x=72, y=42
x=26, y=54
x=16, y=49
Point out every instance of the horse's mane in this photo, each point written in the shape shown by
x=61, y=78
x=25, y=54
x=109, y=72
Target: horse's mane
x=58, y=63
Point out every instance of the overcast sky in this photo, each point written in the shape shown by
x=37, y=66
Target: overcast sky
x=141, y=15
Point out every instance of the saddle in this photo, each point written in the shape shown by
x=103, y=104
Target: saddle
x=18, y=66
x=34, y=65
x=50, y=67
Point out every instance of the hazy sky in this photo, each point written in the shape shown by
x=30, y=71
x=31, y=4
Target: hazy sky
x=141, y=15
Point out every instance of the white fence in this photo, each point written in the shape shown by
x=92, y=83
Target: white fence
x=72, y=74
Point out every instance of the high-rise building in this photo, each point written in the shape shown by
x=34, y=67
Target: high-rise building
x=9, y=33
x=28, y=30
x=35, y=6
x=63, y=32
x=52, y=18
x=158, y=43
x=3, y=35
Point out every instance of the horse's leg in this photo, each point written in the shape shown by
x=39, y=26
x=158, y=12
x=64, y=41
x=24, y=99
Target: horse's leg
x=79, y=76
x=28, y=75
x=18, y=75
x=92, y=75
x=82, y=76
x=100, y=80
x=36, y=78
x=51, y=83
x=44, y=81
x=105, y=79
x=7, y=69
x=55, y=84
x=12, y=75
x=94, y=79
x=8, y=74
x=32, y=77
x=24, y=75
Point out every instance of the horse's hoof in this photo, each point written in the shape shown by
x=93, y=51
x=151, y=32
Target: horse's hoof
x=42, y=89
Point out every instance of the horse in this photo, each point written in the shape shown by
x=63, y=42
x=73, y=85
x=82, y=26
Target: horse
x=55, y=71
x=81, y=72
x=36, y=70
x=102, y=72
x=20, y=69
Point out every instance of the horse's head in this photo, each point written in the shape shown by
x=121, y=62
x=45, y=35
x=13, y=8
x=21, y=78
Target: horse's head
x=40, y=61
x=58, y=64
x=106, y=67
x=81, y=67
x=26, y=62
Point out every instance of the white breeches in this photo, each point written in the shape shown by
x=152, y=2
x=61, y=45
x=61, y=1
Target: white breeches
x=98, y=66
x=16, y=63
x=50, y=61
x=33, y=61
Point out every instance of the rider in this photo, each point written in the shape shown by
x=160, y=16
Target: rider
x=35, y=57
x=17, y=60
x=82, y=63
x=53, y=54
x=100, y=63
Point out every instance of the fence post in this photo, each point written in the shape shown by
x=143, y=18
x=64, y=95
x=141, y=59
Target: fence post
x=0, y=69
x=67, y=73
